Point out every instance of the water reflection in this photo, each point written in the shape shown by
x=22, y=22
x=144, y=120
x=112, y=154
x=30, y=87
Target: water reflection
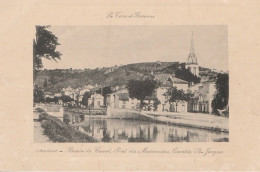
x=121, y=130
x=125, y=130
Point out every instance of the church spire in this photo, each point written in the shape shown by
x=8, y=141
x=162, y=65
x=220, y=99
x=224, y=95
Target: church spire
x=192, y=45
x=192, y=63
x=192, y=57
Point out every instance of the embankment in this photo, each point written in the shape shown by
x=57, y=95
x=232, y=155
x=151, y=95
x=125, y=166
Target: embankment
x=127, y=114
x=58, y=131
x=194, y=120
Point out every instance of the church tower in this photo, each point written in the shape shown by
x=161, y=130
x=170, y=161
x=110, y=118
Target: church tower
x=192, y=63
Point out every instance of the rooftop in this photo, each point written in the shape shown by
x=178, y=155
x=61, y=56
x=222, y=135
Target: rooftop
x=164, y=78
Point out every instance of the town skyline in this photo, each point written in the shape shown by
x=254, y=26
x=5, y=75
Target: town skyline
x=170, y=44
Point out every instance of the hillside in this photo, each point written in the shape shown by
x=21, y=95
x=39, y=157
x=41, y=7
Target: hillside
x=116, y=75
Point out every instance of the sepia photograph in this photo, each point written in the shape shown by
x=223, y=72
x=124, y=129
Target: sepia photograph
x=136, y=83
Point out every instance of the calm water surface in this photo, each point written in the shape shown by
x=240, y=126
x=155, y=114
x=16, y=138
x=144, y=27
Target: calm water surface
x=125, y=130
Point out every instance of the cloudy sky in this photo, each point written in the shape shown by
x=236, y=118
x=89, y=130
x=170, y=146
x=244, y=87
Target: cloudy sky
x=99, y=46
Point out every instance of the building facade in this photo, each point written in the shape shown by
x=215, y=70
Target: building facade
x=169, y=81
x=121, y=100
x=202, y=99
x=96, y=101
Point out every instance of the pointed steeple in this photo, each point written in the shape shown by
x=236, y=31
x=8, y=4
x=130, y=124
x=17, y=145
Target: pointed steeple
x=192, y=63
x=192, y=57
x=192, y=51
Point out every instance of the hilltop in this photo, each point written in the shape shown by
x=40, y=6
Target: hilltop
x=116, y=75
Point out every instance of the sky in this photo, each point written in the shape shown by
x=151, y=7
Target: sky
x=105, y=46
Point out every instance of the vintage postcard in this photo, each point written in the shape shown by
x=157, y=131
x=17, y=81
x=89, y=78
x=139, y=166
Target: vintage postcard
x=161, y=90
x=129, y=85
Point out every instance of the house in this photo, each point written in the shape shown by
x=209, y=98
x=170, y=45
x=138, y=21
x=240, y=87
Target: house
x=80, y=93
x=57, y=95
x=180, y=84
x=120, y=99
x=69, y=91
x=202, y=99
x=168, y=81
x=90, y=87
x=180, y=106
x=96, y=101
x=49, y=95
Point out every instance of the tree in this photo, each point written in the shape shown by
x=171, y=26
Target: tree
x=139, y=89
x=186, y=75
x=220, y=100
x=52, y=79
x=38, y=95
x=45, y=83
x=85, y=98
x=181, y=72
x=176, y=96
x=44, y=46
x=104, y=91
x=65, y=98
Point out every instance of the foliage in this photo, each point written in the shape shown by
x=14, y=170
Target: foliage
x=65, y=77
x=57, y=131
x=53, y=80
x=38, y=95
x=176, y=95
x=220, y=100
x=65, y=98
x=85, y=98
x=181, y=72
x=49, y=99
x=104, y=91
x=44, y=46
x=186, y=75
x=45, y=83
x=139, y=89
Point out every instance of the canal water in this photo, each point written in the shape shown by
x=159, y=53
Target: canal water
x=126, y=130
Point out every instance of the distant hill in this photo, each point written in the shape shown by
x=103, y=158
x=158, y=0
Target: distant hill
x=116, y=75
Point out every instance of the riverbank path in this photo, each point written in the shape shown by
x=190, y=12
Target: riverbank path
x=198, y=120
x=39, y=136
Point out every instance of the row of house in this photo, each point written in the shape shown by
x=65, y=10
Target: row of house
x=201, y=101
x=76, y=94
x=203, y=94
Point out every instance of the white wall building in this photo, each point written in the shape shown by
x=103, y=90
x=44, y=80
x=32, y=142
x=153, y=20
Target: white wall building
x=202, y=99
x=168, y=81
x=96, y=100
x=121, y=100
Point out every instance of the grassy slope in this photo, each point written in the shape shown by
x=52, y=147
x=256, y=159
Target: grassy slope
x=57, y=131
x=119, y=76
